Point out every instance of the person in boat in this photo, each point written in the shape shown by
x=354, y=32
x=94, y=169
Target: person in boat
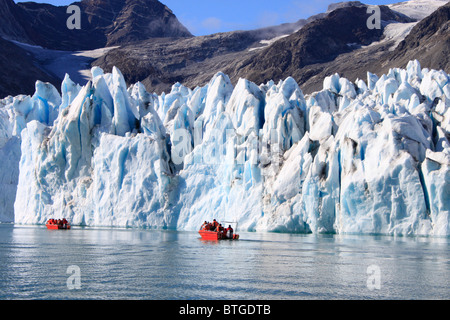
x=215, y=224
x=203, y=227
x=229, y=232
x=224, y=232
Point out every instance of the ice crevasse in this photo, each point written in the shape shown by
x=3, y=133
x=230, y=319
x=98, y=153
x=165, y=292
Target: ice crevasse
x=365, y=157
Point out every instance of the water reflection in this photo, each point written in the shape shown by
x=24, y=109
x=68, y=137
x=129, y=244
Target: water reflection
x=149, y=264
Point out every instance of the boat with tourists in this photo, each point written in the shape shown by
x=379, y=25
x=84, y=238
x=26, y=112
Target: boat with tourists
x=215, y=231
x=58, y=224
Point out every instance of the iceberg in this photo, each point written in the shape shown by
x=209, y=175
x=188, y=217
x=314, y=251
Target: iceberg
x=352, y=158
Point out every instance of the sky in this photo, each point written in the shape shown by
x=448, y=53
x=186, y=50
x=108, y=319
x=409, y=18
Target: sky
x=204, y=17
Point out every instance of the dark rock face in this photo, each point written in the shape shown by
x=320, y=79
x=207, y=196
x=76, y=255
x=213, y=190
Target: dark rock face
x=125, y=21
x=158, y=51
x=103, y=23
x=323, y=40
x=158, y=63
x=429, y=40
x=304, y=54
x=10, y=26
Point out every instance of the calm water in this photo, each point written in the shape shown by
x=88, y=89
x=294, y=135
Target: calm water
x=148, y=264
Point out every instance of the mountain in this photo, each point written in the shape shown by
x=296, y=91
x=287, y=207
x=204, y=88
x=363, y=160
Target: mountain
x=103, y=23
x=256, y=55
x=335, y=41
x=308, y=50
x=11, y=27
x=341, y=31
x=429, y=40
x=131, y=20
x=426, y=40
x=158, y=63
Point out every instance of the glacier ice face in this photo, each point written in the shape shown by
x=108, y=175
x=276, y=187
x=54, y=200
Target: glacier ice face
x=352, y=158
x=15, y=113
x=90, y=164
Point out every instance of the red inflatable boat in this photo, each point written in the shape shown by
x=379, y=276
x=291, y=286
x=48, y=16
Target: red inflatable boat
x=212, y=235
x=54, y=224
x=208, y=231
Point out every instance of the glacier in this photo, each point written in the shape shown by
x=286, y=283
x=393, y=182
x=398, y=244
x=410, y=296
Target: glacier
x=369, y=157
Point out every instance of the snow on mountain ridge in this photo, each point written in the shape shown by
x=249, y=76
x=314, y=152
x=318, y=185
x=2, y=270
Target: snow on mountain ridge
x=352, y=158
x=417, y=9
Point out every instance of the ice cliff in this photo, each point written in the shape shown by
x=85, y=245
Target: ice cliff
x=368, y=157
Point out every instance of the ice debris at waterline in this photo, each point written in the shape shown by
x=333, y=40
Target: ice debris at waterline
x=364, y=157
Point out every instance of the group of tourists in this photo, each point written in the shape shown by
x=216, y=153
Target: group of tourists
x=215, y=226
x=58, y=222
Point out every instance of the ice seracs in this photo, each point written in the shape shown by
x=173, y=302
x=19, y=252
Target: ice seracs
x=368, y=157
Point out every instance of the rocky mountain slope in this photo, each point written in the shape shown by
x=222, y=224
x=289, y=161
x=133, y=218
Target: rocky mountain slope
x=342, y=31
x=309, y=49
x=427, y=41
x=335, y=41
x=193, y=61
x=19, y=70
x=103, y=23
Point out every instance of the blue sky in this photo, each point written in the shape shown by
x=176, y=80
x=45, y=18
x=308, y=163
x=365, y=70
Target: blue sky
x=210, y=16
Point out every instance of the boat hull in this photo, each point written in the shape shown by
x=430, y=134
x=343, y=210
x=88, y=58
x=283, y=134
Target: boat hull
x=57, y=227
x=212, y=235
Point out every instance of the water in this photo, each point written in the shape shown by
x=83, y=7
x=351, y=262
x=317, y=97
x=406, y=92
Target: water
x=148, y=264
